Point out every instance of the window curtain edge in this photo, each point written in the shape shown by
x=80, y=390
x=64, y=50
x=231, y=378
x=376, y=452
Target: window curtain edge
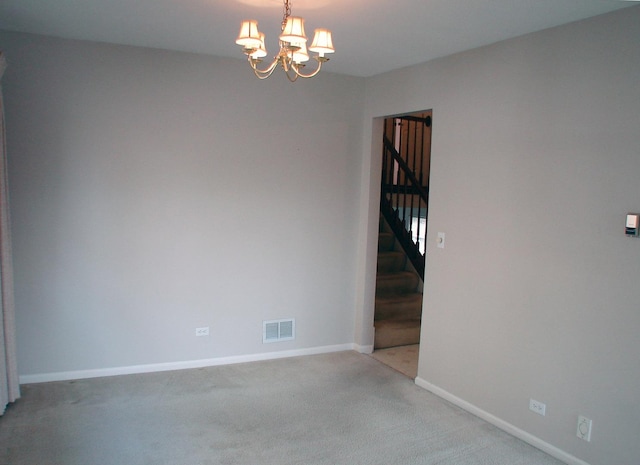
x=9, y=379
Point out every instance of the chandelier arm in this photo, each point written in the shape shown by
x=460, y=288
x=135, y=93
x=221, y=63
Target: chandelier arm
x=261, y=76
x=291, y=78
x=310, y=75
x=263, y=73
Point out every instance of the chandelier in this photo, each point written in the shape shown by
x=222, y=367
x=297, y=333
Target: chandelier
x=293, y=52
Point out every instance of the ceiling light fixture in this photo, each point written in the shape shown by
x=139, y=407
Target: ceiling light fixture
x=293, y=52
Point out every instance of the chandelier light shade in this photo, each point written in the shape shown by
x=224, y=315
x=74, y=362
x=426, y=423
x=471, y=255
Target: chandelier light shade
x=293, y=30
x=301, y=55
x=249, y=36
x=261, y=51
x=293, y=53
x=322, y=42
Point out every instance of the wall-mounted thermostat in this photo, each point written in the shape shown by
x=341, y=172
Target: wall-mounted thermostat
x=633, y=225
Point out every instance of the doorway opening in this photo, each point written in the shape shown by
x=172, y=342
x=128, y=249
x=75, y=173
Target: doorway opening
x=404, y=201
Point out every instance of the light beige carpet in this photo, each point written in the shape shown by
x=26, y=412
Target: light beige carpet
x=340, y=408
x=403, y=358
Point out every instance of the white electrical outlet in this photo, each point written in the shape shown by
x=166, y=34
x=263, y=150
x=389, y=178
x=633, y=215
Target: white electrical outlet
x=584, y=428
x=204, y=331
x=537, y=407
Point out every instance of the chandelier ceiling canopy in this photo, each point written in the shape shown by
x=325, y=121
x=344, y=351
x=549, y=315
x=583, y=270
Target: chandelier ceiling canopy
x=293, y=53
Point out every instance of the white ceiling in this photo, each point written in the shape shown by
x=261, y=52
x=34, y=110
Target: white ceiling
x=370, y=36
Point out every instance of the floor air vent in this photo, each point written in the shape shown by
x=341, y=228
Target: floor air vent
x=278, y=330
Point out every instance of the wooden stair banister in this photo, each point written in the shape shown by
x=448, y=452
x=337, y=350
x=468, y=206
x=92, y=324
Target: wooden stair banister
x=404, y=198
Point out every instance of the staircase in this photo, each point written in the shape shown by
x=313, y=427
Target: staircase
x=398, y=304
x=406, y=160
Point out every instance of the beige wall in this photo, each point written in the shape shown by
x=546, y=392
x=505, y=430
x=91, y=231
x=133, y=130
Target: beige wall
x=535, y=162
x=154, y=192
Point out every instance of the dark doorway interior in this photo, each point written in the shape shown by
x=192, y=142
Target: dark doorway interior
x=401, y=242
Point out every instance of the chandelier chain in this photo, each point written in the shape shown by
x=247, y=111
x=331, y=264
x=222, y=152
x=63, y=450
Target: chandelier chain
x=286, y=13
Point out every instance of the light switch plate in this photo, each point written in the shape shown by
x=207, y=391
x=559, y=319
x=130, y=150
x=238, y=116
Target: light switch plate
x=632, y=224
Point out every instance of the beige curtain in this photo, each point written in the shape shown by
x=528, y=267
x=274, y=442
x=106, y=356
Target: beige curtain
x=9, y=385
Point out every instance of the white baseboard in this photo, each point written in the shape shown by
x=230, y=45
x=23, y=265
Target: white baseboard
x=363, y=349
x=156, y=367
x=503, y=425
